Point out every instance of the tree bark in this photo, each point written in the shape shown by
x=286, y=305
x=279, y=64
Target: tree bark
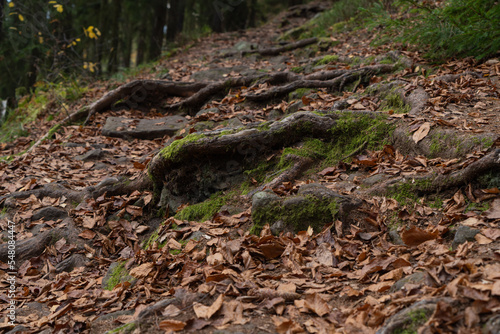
x=156, y=43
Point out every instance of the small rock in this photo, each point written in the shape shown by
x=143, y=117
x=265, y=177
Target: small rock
x=143, y=128
x=278, y=227
x=374, y=179
x=463, y=234
x=396, y=238
x=91, y=155
x=207, y=111
x=294, y=107
x=318, y=190
x=492, y=326
x=263, y=199
x=49, y=213
x=419, y=277
x=274, y=115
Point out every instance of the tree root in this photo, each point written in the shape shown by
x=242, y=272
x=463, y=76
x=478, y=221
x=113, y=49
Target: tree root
x=323, y=80
x=146, y=92
x=275, y=51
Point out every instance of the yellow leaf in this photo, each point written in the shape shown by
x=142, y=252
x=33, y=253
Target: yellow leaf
x=74, y=43
x=90, y=28
x=11, y=4
x=59, y=8
x=85, y=65
x=78, y=40
x=92, y=69
x=97, y=32
x=51, y=2
x=21, y=18
x=40, y=39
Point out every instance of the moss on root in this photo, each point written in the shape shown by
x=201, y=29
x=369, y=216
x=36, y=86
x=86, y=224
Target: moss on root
x=171, y=151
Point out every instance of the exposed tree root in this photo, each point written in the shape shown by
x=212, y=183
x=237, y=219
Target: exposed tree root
x=489, y=162
x=147, y=92
x=35, y=246
x=300, y=164
x=275, y=51
x=111, y=186
x=323, y=80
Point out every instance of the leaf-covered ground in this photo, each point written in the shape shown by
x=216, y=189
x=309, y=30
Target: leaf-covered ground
x=408, y=261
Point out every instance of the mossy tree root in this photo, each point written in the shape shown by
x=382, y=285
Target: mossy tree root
x=243, y=147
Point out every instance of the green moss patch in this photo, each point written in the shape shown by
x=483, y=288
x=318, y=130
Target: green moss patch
x=171, y=151
x=205, y=210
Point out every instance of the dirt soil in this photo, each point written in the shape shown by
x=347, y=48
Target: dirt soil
x=408, y=259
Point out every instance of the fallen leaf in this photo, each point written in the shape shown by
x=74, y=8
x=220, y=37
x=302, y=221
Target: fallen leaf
x=421, y=132
x=206, y=312
x=317, y=304
x=172, y=325
x=143, y=270
x=415, y=236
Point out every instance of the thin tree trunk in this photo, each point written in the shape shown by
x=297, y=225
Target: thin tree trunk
x=156, y=43
x=115, y=25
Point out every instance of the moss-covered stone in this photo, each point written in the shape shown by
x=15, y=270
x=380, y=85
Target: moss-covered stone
x=204, y=210
x=310, y=208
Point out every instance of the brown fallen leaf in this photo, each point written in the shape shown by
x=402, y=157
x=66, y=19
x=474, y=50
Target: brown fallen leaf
x=494, y=211
x=421, y=132
x=287, y=326
x=87, y=234
x=415, y=236
x=317, y=304
x=206, y=312
x=172, y=325
x=143, y=270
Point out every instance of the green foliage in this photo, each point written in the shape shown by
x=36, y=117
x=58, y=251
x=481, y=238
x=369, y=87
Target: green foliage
x=490, y=180
x=343, y=13
x=32, y=105
x=126, y=328
x=457, y=28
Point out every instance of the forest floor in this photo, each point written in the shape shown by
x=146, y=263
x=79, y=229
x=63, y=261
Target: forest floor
x=408, y=152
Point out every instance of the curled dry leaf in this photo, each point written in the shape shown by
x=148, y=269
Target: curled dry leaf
x=206, y=312
x=421, y=132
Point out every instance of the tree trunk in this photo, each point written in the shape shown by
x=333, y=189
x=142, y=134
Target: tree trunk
x=156, y=43
x=175, y=19
x=114, y=36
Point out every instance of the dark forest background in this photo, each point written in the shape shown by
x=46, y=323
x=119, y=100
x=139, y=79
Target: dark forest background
x=51, y=40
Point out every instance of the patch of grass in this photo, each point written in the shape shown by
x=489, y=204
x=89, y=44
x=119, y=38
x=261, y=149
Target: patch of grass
x=407, y=193
x=481, y=207
x=118, y=275
x=297, y=69
x=454, y=28
x=393, y=101
x=416, y=319
x=345, y=13
x=327, y=60
x=490, y=180
x=127, y=328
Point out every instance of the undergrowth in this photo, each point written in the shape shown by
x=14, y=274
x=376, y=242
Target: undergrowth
x=457, y=28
